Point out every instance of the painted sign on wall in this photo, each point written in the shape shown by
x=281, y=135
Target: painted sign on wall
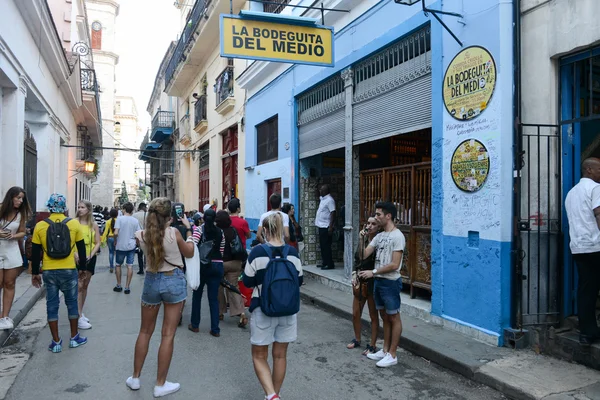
x=273, y=41
x=469, y=83
x=470, y=165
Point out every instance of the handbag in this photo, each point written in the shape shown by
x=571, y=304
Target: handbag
x=237, y=250
x=192, y=270
x=204, y=250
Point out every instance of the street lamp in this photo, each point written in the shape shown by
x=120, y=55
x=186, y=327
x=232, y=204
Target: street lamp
x=89, y=165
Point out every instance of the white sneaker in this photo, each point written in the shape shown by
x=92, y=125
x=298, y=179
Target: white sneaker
x=167, y=388
x=86, y=319
x=6, y=323
x=83, y=324
x=133, y=383
x=387, y=361
x=380, y=355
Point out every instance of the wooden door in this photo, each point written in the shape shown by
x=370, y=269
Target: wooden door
x=30, y=168
x=203, y=194
x=273, y=186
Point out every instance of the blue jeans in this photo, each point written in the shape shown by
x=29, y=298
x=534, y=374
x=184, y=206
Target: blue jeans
x=64, y=280
x=386, y=293
x=211, y=277
x=166, y=287
x=111, y=251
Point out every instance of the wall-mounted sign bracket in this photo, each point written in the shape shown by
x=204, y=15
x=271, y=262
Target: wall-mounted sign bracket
x=322, y=9
x=435, y=14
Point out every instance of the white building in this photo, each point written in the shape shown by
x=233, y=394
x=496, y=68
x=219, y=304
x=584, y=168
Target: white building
x=127, y=166
x=48, y=100
x=102, y=15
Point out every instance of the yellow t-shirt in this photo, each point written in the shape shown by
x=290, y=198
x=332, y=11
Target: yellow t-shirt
x=39, y=237
x=89, y=234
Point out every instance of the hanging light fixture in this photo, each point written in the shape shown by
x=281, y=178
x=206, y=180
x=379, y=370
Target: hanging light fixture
x=89, y=166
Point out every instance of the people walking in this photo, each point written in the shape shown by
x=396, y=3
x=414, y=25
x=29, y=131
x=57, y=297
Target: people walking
x=388, y=247
x=363, y=288
x=239, y=223
x=583, y=213
x=210, y=275
x=14, y=214
x=140, y=215
x=99, y=218
x=324, y=221
x=275, y=203
x=125, y=244
x=91, y=237
x=164, y=283
x=56, y=239
x=232, y=268
x=266, y=330
x=108, y=238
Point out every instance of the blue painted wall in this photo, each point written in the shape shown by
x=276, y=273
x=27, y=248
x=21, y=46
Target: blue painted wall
x=471, y=232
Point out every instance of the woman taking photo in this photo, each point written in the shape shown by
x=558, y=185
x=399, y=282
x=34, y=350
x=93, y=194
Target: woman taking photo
x=363, y=289
x=14, y=213
x=265, y=330
x=91, y=237
x=164, y=283
x=109, y=237
x=232, y=269
x=210, y=275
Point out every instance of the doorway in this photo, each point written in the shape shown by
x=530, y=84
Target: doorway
x=273, y=186
x=30, y=168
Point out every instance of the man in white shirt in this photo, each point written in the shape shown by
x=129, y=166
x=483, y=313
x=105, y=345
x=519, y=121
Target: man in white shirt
x=583, y=213
x=389, y=247
x=275, y=202
x=140, y=215
x=324, y=221
x=125, y=244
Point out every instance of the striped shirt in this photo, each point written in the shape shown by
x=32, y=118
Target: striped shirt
x=99, y=218
x=254, y=273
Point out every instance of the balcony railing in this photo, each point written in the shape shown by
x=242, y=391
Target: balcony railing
x=88, y=80
x=186, y=38
x=200, y=110
x=275, y=8
x=163, y=119
x=224, y=85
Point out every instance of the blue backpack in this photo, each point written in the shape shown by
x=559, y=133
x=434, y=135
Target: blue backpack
x=280, y=294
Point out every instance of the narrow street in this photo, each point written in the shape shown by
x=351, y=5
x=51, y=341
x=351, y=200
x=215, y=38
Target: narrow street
x=319, y=366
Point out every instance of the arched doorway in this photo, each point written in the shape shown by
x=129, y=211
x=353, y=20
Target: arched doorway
x=30, y=168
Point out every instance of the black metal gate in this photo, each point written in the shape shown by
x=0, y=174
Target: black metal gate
x=30, y=168
x=537, y=237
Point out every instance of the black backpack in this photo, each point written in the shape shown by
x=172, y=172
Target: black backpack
x=58, y=239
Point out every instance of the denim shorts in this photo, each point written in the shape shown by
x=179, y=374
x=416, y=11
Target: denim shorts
x=386, y=293
x=166, y=287
x=65, y=281
x=265, y=330
x=121, y=255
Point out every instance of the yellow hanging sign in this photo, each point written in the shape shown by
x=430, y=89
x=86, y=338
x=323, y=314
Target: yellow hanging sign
x=273, y=41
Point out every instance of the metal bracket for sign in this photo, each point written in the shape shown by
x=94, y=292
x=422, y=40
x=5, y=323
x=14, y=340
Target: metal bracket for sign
x=435, y=14
x=322, y=9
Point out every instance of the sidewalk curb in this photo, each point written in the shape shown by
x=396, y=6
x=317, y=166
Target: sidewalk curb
x=470, y=370
x=33, y=295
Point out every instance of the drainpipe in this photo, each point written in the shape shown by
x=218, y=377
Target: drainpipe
x=517, y=265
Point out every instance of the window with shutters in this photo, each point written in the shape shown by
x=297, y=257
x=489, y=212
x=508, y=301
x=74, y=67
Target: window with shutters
x=266, y=141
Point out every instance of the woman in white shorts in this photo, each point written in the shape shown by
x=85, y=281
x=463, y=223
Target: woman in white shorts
x=14, y=213
x=265, y=330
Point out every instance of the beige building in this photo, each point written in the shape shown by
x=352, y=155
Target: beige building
x=210, y=109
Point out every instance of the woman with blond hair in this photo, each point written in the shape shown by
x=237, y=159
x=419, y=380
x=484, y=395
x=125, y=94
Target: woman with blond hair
x=91, y=237
x=164, y=283
x=265, y=330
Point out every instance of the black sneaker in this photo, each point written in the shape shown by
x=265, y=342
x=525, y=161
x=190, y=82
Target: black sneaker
x=140, y=273
x=127, y=291
x=587, y=340
x=117, y=289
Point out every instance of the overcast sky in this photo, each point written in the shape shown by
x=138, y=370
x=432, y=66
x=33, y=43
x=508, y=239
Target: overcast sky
x=144, y=30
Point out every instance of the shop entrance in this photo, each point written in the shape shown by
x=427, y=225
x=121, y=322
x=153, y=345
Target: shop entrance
x=398, y=169
x=580, y=134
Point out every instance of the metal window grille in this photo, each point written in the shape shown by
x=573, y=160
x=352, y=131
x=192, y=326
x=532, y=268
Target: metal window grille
x=275, y=8
x=200, y=110
x=322, y=100
x=267, y=140
x=224, y=84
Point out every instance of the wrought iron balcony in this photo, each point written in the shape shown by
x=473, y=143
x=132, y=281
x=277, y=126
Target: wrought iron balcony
x=88, y=80
x=200, y=110
x=163, y=124
x=224, y=85
x=186, y=38
x=275, y=8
